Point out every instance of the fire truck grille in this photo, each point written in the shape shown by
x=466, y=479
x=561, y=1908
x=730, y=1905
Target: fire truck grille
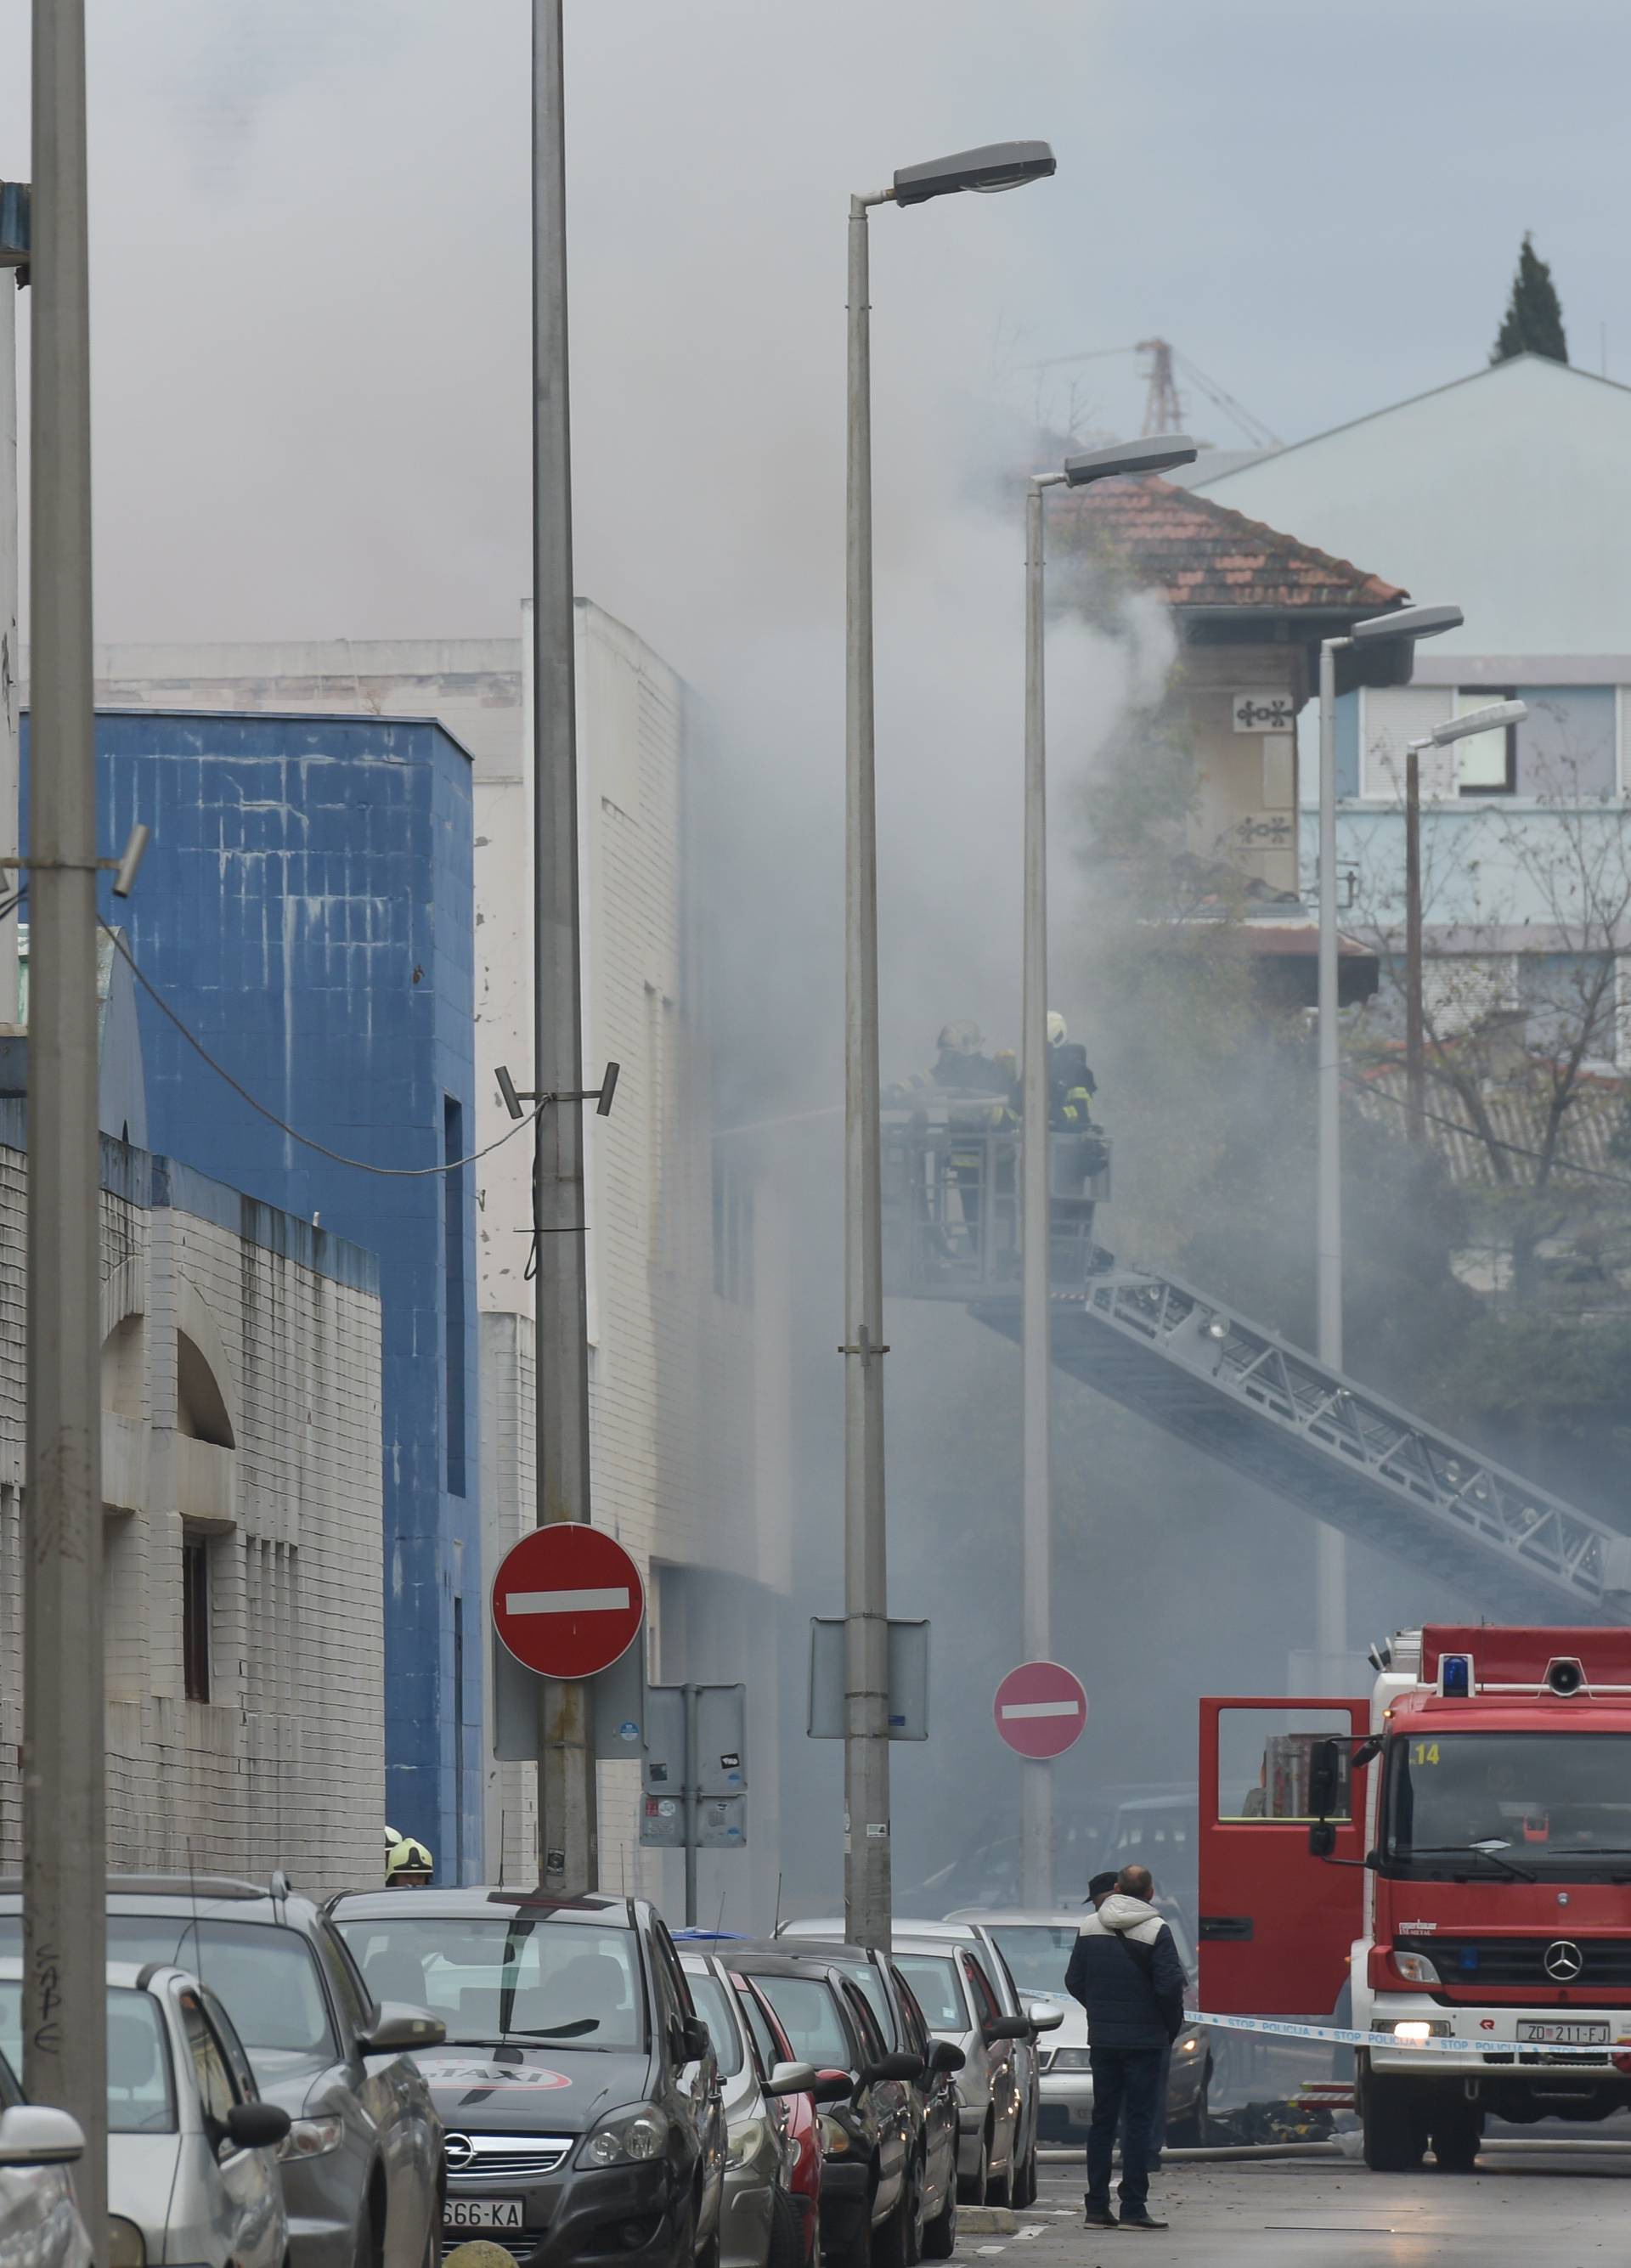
x=1468, y=1962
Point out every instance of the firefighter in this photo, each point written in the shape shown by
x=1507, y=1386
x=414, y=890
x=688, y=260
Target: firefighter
x=963, y=1066
x=409, y=1865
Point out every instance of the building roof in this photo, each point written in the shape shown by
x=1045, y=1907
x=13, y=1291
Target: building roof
x=1198, y=553
x=1508, y=492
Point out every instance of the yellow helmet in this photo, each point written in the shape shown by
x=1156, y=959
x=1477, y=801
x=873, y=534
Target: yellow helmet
x=408, y=1857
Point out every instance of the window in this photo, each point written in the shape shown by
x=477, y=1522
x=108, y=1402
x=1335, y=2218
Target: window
x=810, y=2017
x=986, y=2005
x=1538, y=1803
x=210, y=2064
x=733, y=1231
x=1264, y=1761
x=713, y=2005
x=195, y=1618
x=753, y=2015
x=140, y=2098
x=498, y=1976
x=934, y=1978
x=265, y=1976
x=1486, y=762
x=1037, y=1953
x=453, y=1293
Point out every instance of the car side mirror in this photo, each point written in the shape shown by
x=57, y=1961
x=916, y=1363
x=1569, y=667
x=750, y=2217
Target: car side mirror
x=792, y=2078
x=1006, y=2027
x=34, y=2134
x=832, y=2086
x=1044, y=2017
x=694, y=2039
x=946, y=2055
x=256, y=2125
x=1322, y=1839
x=900, y=2064
x=1324, y=1777
x=396, y=2029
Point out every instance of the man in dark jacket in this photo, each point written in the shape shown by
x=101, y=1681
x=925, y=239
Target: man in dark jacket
x=1125, y=1969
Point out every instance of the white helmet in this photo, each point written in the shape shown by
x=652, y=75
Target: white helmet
x=1056, y=1028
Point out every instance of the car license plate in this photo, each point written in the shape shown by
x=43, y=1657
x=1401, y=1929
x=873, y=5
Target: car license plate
x=482, y=2213
x=1562, y=2035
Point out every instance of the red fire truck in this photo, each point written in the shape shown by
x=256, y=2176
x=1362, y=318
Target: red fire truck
x=1450, y=1859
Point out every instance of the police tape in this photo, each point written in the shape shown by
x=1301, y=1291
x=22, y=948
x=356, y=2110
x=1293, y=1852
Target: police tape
x=1434, y=2044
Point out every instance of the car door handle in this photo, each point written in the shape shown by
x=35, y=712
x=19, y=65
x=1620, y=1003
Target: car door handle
x=1226, y=1929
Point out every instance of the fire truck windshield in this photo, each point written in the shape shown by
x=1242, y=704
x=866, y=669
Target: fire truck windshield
x=1541, y=1803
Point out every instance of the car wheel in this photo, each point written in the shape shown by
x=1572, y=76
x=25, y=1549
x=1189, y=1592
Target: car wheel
x=891, y=2243
x=1396, y=2132
x=1193, y=2129
x=939, y=2235
x=914, y=2219
x=787, y=2244
x=971, y=2188
x=1457, y=2134
x=1025, y=2180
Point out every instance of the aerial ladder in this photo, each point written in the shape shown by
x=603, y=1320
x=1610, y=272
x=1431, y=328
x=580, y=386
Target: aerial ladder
x=1197, y=1368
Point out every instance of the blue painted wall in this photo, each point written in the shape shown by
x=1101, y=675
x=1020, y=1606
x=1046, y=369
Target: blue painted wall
x=305, y=907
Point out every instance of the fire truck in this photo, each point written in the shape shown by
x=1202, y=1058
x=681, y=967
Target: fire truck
x=1448, y=1861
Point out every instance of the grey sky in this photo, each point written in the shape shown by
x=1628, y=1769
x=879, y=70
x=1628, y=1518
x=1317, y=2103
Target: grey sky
x=311, y=237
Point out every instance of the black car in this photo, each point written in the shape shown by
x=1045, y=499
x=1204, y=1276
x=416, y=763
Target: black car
x=931, y=2097
x=577, y=2082
x=870, y=2213
x=362, y=2165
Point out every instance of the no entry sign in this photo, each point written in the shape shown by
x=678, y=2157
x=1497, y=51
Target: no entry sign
x=567, y=1600
x=1040, y=1709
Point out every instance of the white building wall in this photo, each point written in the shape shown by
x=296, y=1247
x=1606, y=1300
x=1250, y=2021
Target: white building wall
x=283, y=1766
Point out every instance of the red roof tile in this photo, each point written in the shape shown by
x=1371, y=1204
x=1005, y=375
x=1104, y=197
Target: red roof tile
x=1197, y=553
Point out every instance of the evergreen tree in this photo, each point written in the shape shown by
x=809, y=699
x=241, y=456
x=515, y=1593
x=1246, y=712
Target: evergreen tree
x=1534, y=321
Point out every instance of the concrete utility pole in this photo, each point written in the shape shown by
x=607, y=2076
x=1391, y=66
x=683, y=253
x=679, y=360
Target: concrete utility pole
x=1415, y=1062
x=568, y=1856
x=64, y=1845
x=10, y=252
x=1035, y=1778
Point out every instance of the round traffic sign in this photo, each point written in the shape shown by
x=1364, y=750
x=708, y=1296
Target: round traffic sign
x=567, y=1600
x=1040, y=1709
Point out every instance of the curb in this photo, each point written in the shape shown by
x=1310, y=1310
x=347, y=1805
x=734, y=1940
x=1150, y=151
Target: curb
x=986, y=2220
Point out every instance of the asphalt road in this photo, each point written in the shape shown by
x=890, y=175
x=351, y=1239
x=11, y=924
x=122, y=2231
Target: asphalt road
x=1532, y=2210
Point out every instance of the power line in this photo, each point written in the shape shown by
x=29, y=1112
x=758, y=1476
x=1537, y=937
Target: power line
x=308, y=1141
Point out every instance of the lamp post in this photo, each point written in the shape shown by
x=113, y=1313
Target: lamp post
x=1330, y=1580
x=1159, y=454
x=866, y=1872
x=1496, y=718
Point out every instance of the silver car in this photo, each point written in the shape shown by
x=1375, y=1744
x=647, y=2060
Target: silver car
x=192, y=2150
x=362, y=2168
x=1036, y=1942
x=960, y=2003
x=761, y=2223
x=40, y=2223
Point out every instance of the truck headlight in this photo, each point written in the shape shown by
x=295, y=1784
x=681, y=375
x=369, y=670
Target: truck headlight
x=1416, y=1967
x=312, y=2138
x=627, y=2138
x=1415, y=2028
x=126, y=2246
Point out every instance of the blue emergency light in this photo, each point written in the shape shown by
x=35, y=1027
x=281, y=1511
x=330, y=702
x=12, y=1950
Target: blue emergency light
x=1455, y=1677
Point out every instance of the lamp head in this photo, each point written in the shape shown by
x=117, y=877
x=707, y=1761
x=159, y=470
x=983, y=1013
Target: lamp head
x=1157, y=453
x=998, y=166
x=1499, y=713
x=1408, y=622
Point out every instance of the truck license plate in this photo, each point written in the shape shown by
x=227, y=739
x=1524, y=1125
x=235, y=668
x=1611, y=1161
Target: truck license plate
x=482, y=2213
x=1562, y=2035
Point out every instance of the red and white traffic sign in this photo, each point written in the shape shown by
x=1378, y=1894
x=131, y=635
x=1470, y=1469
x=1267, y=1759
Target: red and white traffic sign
x=567, y=1600
x=1041, y=1708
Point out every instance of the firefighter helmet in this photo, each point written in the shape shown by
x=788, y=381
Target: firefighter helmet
x=408, y=1861
x=1057, y=1033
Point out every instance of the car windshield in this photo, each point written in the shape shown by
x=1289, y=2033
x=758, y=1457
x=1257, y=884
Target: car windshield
x=932, y=1977
x=141, y=2095
x=810, y=2016
x=712, y=2005
x=1544, y=1802
x=1037, y=1953
x=505, y=1975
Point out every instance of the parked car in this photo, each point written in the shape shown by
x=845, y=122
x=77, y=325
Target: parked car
x=764, y=2028
x=960, y=2003
x=362, y=2171
x=39, y=2222
x=868, y=2211
x=933, y=2096
x=577, y=2083
x=762, y=2222
x=192, y=2149
x=1036, y=1944
x=1043, y=2016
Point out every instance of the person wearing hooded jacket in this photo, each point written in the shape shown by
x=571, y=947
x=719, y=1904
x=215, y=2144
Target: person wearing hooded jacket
x=1125, y=1969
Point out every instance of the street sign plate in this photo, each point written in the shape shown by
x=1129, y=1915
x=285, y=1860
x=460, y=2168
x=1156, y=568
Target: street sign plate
x=1040, y=1709
x=567, y=1600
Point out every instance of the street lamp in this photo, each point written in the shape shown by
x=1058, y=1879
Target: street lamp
x=1158, y=453
x=1496, y=718
x=1406, y=621
x=867, y=1871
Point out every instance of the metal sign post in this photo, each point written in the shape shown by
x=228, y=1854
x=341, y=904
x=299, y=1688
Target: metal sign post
x=695, y=1777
